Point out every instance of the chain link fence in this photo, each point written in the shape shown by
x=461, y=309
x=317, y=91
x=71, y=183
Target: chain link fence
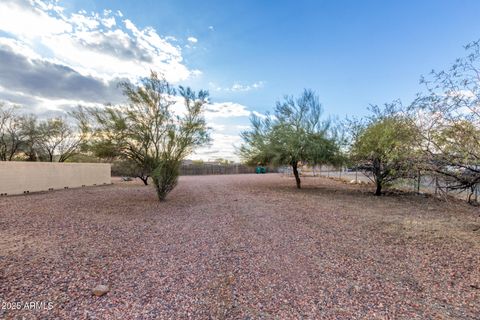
x=421, y=184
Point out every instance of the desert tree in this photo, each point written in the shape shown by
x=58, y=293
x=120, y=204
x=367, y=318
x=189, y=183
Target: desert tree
x=30, y=135
x=133, y=132
x=154, y=130
x=58, y=140
x=183, y=134
x=383, y=145
x=448, y=115
x=294, y=134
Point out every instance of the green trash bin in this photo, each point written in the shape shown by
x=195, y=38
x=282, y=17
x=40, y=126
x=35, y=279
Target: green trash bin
x=260, y=170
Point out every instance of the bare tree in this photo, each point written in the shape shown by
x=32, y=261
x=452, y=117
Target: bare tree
x=11, y=135
x=448, y=116
x=29, y=128
x=58, y=140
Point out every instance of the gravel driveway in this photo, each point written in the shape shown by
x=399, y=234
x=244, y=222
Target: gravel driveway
x=238, y=247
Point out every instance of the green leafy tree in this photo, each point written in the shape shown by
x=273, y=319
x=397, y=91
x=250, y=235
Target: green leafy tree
x=295, y=134
x=383, y=146
x=148, y=133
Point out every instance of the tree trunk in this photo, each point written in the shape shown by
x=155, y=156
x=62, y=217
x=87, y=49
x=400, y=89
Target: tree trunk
x=295, y=173
x=472, y=192
x=378, y=177
x=144, y=179
x=378, y=191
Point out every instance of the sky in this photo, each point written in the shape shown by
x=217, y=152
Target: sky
x=55, y=55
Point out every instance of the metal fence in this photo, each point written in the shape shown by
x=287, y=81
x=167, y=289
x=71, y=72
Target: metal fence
x=422, y=184
x=204, y=169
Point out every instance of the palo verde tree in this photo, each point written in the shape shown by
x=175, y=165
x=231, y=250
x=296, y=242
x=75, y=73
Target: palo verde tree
x=295, y=134
x=448, y=115
x=383, y=145
x=147, y=131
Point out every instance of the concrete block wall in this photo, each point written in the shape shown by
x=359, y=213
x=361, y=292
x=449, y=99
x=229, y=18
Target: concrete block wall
x=18, y=177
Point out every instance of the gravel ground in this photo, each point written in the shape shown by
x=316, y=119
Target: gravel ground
x=239, y=247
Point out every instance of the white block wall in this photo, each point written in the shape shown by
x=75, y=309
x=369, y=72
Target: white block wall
x=17, y=177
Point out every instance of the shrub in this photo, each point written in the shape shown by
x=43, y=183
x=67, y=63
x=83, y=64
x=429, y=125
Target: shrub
x=165, y=177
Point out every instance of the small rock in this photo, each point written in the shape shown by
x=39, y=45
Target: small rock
x=353, y=289
x=353, y=182
x=100, y=290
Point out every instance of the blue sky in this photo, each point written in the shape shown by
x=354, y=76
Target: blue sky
x=248, y=54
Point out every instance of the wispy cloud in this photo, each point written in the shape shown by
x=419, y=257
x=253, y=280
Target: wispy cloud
x=260, y=115
x=238, y=87
x=226, y=110
x=192, y=39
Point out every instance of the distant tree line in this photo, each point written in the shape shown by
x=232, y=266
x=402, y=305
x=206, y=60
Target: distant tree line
x=25, y=137
x=145, y=136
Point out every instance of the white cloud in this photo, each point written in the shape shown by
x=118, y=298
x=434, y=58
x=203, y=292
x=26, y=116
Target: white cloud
x=226, y=110
x=192, y=39
x=242, y=127
x=84, y=22
x=238, y=87
x=222, y=146
x=109, y=22
x=92, y=44
x=30, y=22
x=217, y=126
x=196, y=72
x=260, y=115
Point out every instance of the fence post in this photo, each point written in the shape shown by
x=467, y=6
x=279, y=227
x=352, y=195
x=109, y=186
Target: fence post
x=419, y=180
x=356, y=174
